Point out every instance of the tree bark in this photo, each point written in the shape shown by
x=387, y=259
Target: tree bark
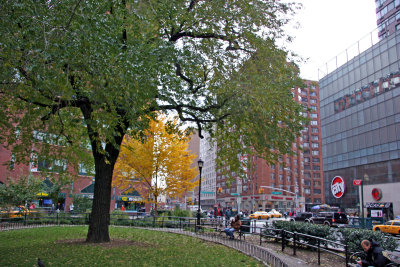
x=104, y=167
x=100, y=215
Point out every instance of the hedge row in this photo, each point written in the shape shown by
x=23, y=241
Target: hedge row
x=350, y=236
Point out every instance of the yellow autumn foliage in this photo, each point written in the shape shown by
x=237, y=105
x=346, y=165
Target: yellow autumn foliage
x=158, y=164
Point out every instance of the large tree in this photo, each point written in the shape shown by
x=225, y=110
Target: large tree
x=88, y=71
x=157, y=165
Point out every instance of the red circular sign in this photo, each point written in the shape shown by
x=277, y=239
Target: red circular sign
x=376, y=193
x=338, y=187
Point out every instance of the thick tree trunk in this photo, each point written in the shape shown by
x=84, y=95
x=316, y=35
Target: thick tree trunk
x=104, y=162
x=100, y=216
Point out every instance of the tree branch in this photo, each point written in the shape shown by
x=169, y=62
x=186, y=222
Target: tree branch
x=72, y=15
x=176, y=36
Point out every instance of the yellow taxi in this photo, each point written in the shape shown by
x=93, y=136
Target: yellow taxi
x=260, y=215
x=390, y=227
x=275, y=214
x=14, y=212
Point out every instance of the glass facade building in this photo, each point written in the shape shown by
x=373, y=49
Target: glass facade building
x=360, y=124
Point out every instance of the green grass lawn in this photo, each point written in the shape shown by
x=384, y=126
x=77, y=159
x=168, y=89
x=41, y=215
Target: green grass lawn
x=64, y=246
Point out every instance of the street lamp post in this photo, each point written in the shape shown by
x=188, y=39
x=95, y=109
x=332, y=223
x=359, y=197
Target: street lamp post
x=200, y=164
x=295, y=202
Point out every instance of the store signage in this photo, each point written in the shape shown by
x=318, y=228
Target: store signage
x=368, y=91
x=275, y=197
x=357, y=182
x=338, y=187
x=131, y=199
x=277, y=193
x=376, y=194
x=376, y=213
x=289, y=198
x=378, y=205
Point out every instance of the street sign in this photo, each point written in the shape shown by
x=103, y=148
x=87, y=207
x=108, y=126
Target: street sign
x=357, y=182
x=277, y=193
x=207, y=192
x=234, y=194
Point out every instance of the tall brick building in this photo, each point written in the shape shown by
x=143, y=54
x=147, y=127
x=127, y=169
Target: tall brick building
x=294, y=182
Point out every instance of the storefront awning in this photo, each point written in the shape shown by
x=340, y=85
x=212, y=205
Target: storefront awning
x=88, y=190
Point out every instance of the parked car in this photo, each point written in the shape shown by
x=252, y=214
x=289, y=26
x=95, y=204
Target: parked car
x=260, y=215
x=390, y=227
x=301, y=217
x=329, y=218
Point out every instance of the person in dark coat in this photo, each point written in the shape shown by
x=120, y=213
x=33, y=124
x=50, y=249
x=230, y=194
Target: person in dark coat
x=374, y=254
x=235, y=226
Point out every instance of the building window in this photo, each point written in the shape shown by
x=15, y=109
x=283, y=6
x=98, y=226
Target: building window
x=314, y=115
x=315, y=153
x=280, y=177
x=316, y=168
x=317, y=183
x=315, y=160
x=317, y=200
x=306, y=159
x=314, y=122
x=313, y=101
x=52, y=166
x=315, y=145
x=314, y=130
x=317, y=191
x=307, y=175
x=272, y=176
x=307, y=182
x=313, y=108
x=317, y=175
x=12, y=162
x=306, y=145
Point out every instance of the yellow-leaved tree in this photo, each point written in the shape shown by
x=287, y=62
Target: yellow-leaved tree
x=156, y=163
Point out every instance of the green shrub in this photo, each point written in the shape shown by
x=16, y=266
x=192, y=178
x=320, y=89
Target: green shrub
x=119, y=217
x=179, y=213
x=315, y=230
x=353, y=238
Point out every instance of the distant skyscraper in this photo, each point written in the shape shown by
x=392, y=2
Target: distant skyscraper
x=387, y=17
x=208, y=153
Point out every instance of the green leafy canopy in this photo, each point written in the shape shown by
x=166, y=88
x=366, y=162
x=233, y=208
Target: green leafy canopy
x=89, y=71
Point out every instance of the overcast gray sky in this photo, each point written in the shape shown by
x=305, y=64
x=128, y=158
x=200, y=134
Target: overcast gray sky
x=329, y=27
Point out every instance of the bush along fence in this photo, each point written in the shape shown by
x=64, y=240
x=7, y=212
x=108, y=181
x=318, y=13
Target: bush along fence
x=342, y=242
x=339, y=242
